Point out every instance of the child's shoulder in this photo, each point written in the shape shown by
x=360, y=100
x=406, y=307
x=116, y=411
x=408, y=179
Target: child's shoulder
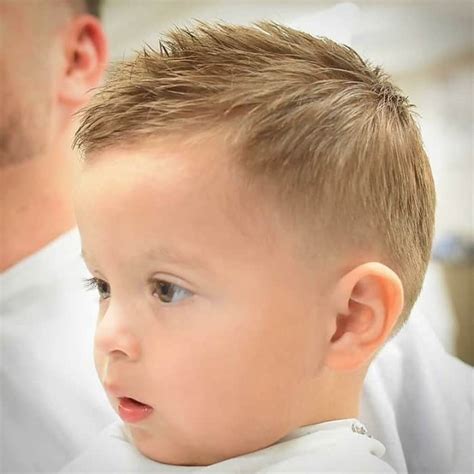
x=335, y=446
x=340, y=446
x=111, y=452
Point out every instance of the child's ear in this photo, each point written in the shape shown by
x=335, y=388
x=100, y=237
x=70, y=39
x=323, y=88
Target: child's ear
x=85, y=57
x=368, y=300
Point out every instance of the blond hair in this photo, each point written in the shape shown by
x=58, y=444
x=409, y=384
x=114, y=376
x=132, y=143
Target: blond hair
x=330, y=133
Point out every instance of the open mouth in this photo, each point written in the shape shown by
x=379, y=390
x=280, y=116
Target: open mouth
x=132, y=411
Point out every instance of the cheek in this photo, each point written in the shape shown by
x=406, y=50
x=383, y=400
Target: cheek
x=227, y=363
x=197, y=369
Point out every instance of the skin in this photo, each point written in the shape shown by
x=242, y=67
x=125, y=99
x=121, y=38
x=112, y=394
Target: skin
x=42, y=86
x=254, y=343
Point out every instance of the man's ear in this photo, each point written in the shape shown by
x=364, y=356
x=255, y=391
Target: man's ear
x=368, y=300
x=85, y=57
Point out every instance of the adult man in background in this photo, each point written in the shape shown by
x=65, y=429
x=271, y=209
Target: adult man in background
x=52, y=54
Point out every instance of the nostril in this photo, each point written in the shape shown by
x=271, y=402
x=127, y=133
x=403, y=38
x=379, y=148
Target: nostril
x=117, y=341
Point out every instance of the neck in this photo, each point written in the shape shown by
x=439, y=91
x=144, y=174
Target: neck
x=333, y=397
x=36, y=205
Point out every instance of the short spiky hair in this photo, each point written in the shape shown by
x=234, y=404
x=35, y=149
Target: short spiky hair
x=330, y=133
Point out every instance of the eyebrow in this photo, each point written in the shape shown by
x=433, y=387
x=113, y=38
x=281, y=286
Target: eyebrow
x=168, y=255
x=174, y=256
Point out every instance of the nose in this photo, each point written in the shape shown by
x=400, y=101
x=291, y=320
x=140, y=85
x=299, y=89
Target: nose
x=115, y=335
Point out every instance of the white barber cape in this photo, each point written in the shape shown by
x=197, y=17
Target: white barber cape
x=417, y=400
x=337, y=446
x=51, y=401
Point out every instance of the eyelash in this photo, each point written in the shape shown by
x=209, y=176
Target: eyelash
x=95, y=284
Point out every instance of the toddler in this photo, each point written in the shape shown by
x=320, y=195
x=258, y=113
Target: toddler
x=256, y=209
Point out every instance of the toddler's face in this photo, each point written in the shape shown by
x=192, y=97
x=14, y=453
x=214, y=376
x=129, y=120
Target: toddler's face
x=205, y=314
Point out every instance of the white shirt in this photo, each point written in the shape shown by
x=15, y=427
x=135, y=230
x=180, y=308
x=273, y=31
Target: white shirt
x=417, y=400
x=337, y=446
x=51, y=400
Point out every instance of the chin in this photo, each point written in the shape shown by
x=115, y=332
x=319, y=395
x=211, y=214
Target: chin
x=165, y=451
x=176, y=458
x=169, y=453
x=180, y=450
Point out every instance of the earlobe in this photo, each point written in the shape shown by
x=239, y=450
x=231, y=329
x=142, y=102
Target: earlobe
x=85, y=56
x=369, y=300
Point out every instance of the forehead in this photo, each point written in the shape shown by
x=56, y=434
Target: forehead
x=184, y=197
x=165, y=174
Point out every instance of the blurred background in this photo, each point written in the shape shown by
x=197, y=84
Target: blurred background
x=427, y=48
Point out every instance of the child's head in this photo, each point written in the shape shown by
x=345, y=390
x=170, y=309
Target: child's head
x=257, y=210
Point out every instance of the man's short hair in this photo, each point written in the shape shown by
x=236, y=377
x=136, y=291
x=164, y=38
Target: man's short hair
x=329, y=133
x=93, y=7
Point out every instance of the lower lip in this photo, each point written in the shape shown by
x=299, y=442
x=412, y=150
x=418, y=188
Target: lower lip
x=131, y=411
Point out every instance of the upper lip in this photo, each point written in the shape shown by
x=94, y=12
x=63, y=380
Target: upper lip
x=114, y=390
x=117, y=392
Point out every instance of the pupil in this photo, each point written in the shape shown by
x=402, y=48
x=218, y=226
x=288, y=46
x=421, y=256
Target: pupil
x=102, y=287
x=165, y=291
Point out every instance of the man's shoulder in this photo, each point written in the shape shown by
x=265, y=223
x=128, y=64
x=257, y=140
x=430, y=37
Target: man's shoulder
x=59, y=259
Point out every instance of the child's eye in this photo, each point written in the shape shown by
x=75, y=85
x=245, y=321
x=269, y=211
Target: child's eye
x=100, y=285
x=169, y=292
